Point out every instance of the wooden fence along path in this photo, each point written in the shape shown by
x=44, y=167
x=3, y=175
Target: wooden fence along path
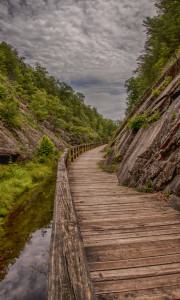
x=131, y=241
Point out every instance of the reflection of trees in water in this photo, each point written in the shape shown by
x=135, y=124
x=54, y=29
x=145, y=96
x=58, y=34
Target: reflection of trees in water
x=36, y=214
x=41, y=268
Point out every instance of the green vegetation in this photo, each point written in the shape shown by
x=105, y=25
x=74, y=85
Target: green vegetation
x=156, y=92
x=149, y=187
x=137, y=122
x=119, y=138
x=108, y=150
x=45, y=99
x=109, y=169
x=154, y=117
x=119, y=158
x=174, y=114
x=18, y=180
x=9, y=106
x=46, y=146
x=163, y=40
x=114, y=165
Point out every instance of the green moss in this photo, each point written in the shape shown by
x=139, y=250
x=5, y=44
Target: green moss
x=119, y=138
x=108, y=150
x=149, y=187
x=119, y=158
x=174, y=114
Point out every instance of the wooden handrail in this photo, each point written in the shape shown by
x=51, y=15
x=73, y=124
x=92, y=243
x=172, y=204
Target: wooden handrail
x=74, y=152
x=68, y=275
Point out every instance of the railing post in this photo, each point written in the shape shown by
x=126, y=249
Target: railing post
x=72, y=158
x=75, y=152
x=67, y=159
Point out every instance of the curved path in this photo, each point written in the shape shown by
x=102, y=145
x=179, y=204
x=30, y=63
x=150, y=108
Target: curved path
x=131, y=240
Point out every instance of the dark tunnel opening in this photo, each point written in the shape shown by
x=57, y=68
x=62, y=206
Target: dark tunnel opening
x=5, y=159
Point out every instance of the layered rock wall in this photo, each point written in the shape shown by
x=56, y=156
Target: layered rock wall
x=150, y=158
x=23, y=142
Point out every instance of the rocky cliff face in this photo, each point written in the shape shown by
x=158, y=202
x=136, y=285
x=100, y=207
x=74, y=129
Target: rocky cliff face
x=23, y=142
x=150, y=157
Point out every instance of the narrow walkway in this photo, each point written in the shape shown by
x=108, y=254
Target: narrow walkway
x=132, y=241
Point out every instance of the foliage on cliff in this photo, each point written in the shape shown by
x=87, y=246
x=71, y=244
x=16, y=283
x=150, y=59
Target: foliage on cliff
x=46, y=99
x=163, y=40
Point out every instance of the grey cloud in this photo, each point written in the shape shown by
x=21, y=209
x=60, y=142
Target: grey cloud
x=79, y=40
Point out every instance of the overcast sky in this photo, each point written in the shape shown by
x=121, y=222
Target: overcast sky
x=90, y=44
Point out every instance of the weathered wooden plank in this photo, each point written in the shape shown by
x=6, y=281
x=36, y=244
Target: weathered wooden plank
x=135, y=220
x=127, y=251
x=159, y=293
x=130, y=226
x=112, y=235
x=68, y=276
x=122, y=241
x=117, y=209
x=136, y=262
x=91, y=216
x=129, y=231
x=136, y=272
x=120, y=206
x=137, y=284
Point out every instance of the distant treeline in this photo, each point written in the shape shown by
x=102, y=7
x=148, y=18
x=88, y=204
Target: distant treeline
x=163, y=42
x=47, y=99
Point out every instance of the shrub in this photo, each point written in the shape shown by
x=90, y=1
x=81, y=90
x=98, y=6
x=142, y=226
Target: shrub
x=108, y=150
x=142, y=120
x=154, y=117
x=136, y=122
x=119, y=158
x=149, y=187
x=156, y=93
x=9, y=110
x=46, y=146
x=2, y=92
x=167, y=81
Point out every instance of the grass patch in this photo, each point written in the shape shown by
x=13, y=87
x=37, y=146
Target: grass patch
x=18, y=180
x=109, y=169
x=149, y=187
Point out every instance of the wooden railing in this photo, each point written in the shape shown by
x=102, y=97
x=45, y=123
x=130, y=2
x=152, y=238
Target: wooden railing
x=68, y=275
x=75, y=151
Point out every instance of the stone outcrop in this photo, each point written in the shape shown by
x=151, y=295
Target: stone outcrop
x=23, y=142
x=151, y=156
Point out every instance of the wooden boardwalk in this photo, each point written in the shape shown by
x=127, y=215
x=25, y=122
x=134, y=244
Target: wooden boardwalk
x=131, y=240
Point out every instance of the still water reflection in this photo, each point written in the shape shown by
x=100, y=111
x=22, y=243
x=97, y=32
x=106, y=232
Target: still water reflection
x=24, y=248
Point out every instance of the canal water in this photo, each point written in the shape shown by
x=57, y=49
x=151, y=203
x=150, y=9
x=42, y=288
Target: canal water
x=24, y=248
